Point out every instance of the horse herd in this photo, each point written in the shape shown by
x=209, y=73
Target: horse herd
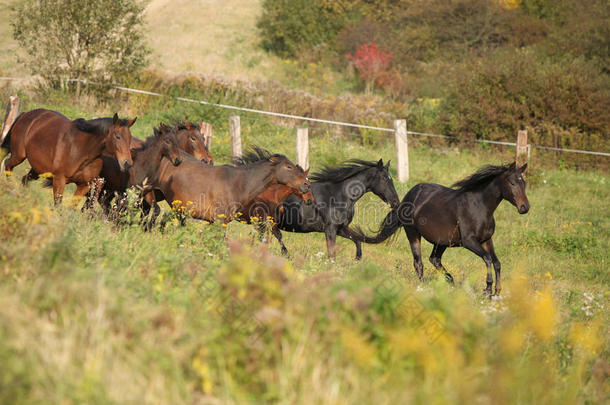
x=174, y=165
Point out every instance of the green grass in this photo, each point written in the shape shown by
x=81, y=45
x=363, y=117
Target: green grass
x=99, y=313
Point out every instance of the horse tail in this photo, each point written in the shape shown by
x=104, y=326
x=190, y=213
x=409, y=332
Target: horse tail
x=6, y=142
x=388, y=227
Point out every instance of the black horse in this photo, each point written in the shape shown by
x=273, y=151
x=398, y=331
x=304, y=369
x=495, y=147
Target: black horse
x=462, y=216
x=336, y=191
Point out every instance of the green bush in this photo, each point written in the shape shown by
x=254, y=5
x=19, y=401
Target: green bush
x=99, y=40
x=495, y=96
x=287, y=26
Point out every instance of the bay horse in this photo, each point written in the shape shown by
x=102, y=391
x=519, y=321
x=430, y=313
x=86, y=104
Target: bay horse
x=70, y=150
x=147, y=159
x=270, y=203
x=336, y=190
x=190, y=142
x=457, y=216
x=208, y=192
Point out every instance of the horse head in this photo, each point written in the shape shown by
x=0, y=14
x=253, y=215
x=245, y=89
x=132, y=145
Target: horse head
x=118, y=141
x=382, y=184
x=513, y=188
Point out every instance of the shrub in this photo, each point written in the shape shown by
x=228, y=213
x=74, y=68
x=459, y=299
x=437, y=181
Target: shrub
x=496, y=96
x=100, y=40
x=372, y=64
x=286, y=26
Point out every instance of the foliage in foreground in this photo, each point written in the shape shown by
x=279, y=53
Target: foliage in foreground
x=91, y=312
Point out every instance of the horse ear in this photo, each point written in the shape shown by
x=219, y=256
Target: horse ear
x=522, y=168
x=380, y=164
x=163, y=127
x=188, y=125
x=274, y=159
x=387, y=165
x=131, y=122
x=306, y=172
x=115, y=119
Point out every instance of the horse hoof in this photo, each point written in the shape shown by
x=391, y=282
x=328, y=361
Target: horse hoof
x=358, y=257
x=449, y=278
x=284, y=251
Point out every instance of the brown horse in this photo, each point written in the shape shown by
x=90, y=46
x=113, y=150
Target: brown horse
x=190, y=142
x=270, y=203
x=208, y=192
x=147, y=160
x=70, y=150
x=463, y=216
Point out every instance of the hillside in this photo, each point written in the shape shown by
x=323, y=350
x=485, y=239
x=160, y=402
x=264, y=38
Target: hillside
x=211, y=36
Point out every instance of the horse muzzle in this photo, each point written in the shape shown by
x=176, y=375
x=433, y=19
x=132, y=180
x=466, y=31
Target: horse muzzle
x=125, y=165
x=208, y=162
x=523, y=208
x=304, y=188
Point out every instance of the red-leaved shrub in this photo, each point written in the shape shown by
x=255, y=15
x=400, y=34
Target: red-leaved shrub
x=372, y=64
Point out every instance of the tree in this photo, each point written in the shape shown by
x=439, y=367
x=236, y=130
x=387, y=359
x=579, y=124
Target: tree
x=99, y=40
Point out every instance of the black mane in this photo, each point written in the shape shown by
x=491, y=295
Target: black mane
x=97, y=126
x=181, y=126
x=256, y=154
x=482, y=177
x=338, y=174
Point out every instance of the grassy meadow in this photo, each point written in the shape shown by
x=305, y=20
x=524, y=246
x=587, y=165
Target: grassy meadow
x=95, y=312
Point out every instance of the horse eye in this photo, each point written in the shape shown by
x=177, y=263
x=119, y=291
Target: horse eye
x=117, y=136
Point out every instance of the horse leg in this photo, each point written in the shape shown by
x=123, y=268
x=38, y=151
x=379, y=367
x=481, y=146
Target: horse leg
x=489, y=247
x=278, y=235
x=16, y=157
x=415, y=243
x=331, y=238
x=475, y=247
x=347, y=233
x=81, y=191
x=149, y=201
x=59, y=183
x=435, y=259
x=32, y=175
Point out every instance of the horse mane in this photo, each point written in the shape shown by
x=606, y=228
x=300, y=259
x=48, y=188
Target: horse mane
x=97, y=126
x=255, y=155
x=348, y=169
x=157, y=134
x=482, y=177
x=180, y=125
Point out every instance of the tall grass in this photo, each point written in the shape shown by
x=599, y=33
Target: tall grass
x=99, y=313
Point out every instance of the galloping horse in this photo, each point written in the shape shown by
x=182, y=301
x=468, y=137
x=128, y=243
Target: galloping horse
x=336, y=191
x=70, y=150
x=147, y=159
x=270, y=203
x=449, y=217
x=224, y=190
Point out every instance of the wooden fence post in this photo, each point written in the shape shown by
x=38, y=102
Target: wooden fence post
x=12, y=110
x=402, y=150
x=207, y=132
x=303, y=148
x=235, y=130
x=522, y=152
